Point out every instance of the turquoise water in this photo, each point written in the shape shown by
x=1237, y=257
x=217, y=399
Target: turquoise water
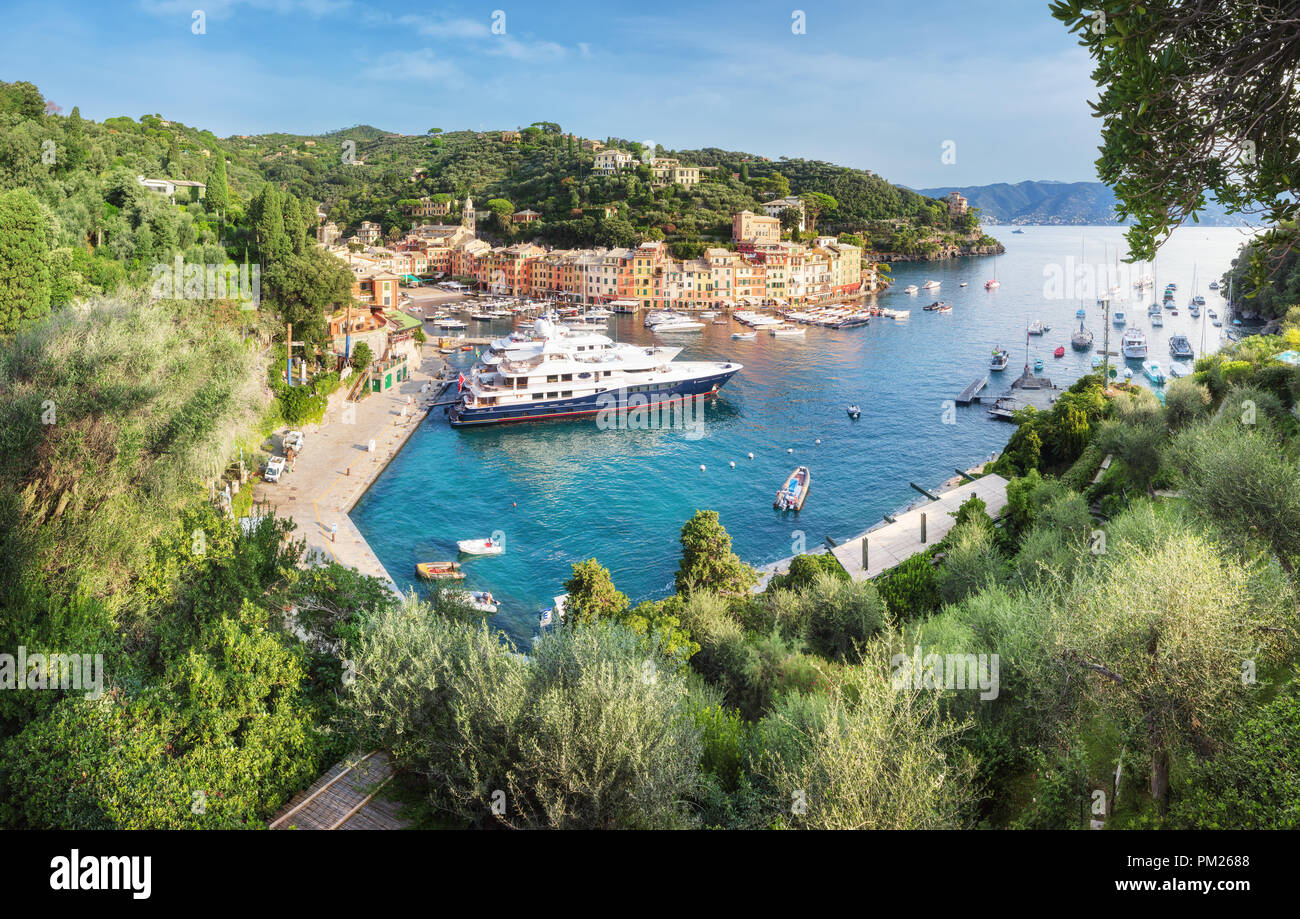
x=562, y=492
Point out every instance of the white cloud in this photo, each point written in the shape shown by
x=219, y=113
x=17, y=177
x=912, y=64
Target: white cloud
x=421, y=64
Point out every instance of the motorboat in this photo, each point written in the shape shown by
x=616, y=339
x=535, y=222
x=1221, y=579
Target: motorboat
x=433, y=571
x=481, y=600
x=744, y=336
x=1128, y=373
x=1038, y=365
x=1117, y=318
x=676, y=323
x=1134, y=344
x=939, y=306
x=486, y=546
x=991, y=284
x=795, y=490
x=911, y=289
x=1157, y=321
x=1001, y=357
x=1180, y=348
x=1178, y=371
x=854, y=412
x=1059, y=352
x=1038, y=327
x=962, y=284
x=1214, y=285
x=1153, y=372
x=786, y=331
x=931, y=285
x=553, y=614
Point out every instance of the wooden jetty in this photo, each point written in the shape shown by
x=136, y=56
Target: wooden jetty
x=972, y=391
x=879, y=550
x=345, y=798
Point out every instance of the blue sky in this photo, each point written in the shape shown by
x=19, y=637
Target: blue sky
x=877, y=85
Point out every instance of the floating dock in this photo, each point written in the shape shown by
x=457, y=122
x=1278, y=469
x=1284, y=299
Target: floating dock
x=1027, y=391
x=972, y=391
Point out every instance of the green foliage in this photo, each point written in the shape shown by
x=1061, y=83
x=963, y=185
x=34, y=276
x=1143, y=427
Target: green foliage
x=910, y=590
x=590, y=731
x=24, y=261
x=804, y=570
x=707, y=560
x=971, y=562
x=361, y=357
x=592, y=595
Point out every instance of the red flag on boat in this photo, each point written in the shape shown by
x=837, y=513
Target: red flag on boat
x=460, y=381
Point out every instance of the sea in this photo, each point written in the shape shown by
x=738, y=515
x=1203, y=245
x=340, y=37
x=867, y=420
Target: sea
x=562, y=492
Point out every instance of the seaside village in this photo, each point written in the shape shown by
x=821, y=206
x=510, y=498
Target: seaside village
x=763, y=270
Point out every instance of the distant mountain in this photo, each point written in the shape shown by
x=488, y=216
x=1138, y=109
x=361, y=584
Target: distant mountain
x=1077, y=203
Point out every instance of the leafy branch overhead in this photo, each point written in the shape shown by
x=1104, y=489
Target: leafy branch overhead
x=1198, y=97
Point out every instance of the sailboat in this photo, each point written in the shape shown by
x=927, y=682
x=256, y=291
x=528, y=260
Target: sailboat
x=993, y=282
x=1082, y=339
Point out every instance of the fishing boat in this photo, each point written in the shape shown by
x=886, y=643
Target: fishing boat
x=744, y=336
x=854, y=412
x=1001, y=357
x=481, y=546
x=1059, y=352
x=1153, y=372
x=795, y=490
x=433, y=571
x=1134, y=344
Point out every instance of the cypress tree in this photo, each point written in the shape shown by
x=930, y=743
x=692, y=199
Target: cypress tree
x=24, y=260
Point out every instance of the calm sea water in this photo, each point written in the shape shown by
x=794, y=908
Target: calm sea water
x=566, y=491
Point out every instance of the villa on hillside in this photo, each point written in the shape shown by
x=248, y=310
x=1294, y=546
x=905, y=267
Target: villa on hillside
x=169, y=187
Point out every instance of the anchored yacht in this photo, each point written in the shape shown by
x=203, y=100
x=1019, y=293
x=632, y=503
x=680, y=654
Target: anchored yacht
x=550, y=372
x=1134, y=344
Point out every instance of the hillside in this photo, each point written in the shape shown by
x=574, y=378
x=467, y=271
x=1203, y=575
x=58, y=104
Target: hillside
x=1073, y=203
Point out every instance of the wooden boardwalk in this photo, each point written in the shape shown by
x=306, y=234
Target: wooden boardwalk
x=345, y=798
x=896, y=542
x=972, y=391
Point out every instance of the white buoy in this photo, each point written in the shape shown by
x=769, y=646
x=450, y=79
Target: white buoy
x=819, y=440
x=701, y=467
x=751, y=456
x=733, y=464
x=790, y=450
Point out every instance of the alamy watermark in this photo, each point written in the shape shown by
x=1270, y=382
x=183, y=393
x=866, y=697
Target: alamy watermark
x=178, y=280
x=53, y=671
x=622, y=411
x=946, y=671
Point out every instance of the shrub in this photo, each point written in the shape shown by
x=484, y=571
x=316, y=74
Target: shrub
x=970, y=564
x=910, y=589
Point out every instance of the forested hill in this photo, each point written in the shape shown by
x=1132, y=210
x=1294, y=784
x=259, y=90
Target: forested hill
x=1076, y=203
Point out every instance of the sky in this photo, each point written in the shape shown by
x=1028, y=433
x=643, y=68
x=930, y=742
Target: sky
x=925, y=92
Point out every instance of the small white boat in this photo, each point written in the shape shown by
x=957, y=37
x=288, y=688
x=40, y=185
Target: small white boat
x=786, y=331
x=962, y=284
x=911, y=289
x=553, y=614
x=708, y=314
x=854, y=412
x=480, y=600
x=481, y=546
x=744, y=336
x=931, y=285
x=1128, y=373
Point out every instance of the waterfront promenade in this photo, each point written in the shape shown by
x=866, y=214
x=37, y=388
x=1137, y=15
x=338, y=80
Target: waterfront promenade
x=336, y=467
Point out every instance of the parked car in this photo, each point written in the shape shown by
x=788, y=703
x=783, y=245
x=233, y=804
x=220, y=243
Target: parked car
x=293, y=441
x=274, y=467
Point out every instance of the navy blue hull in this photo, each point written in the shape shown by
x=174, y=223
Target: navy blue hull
x=646, y=397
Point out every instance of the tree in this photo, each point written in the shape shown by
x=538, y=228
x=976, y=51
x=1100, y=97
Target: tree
x=1196, y=96
x=361, y=357
x=503, y=211
x=217, y=196
x=24, y=260
x=592, y=595
x=707, y=560
x=815, y=204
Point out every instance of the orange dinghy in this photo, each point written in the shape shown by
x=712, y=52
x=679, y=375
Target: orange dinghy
x=435, y=570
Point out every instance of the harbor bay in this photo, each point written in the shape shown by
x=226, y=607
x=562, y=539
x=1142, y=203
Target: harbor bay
x=561, y=492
